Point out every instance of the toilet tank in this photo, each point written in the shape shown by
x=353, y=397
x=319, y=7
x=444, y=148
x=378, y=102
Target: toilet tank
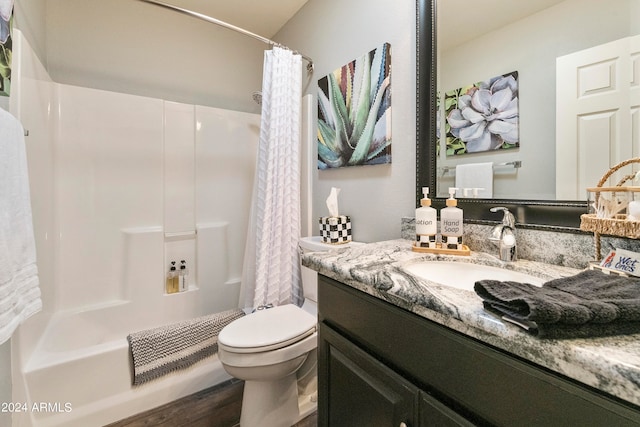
x=309, y=276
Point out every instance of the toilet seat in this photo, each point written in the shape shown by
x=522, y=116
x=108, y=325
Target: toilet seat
x=231, y=357
x=267, y=330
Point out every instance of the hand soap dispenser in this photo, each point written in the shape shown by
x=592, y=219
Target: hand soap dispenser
x=426, y=222
x=451, y=223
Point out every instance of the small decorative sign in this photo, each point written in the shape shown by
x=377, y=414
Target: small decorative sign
x=623, y=261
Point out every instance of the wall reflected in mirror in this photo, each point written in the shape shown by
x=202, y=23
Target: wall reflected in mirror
x=577, y=64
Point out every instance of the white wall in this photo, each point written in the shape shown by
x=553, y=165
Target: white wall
x=30, y=18
x=333, y=33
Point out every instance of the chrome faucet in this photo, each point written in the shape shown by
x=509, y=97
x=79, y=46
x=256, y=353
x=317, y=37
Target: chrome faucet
x=503, y=235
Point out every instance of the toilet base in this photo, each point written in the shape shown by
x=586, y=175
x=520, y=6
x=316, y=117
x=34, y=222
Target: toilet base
x=270, y=403
x=265, y=405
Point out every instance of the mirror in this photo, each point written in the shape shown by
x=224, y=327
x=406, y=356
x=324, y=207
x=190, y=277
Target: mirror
x=526, y=39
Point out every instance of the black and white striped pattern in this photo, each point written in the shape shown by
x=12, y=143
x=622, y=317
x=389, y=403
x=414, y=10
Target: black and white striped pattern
x=158, y=351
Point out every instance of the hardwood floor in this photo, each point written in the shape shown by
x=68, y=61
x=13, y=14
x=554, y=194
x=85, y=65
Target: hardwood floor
x=217, y=406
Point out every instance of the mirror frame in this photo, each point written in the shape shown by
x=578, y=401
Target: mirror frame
x=539, y=214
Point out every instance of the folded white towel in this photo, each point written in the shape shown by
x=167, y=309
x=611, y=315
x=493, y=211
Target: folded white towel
x=19, y=284
x=475, y=175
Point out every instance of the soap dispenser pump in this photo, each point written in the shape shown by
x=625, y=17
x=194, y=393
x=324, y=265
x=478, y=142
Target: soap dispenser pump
x=426, y=222
x=451, y=222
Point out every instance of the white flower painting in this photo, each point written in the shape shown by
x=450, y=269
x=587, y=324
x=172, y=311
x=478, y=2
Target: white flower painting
x=483, y=116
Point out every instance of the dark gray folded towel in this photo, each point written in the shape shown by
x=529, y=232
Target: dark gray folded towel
x=590, y=303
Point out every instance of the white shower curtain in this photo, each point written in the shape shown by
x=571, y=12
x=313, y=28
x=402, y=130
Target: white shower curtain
x=271, y=270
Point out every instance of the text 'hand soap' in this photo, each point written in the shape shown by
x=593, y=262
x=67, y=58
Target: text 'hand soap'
x=451, y=220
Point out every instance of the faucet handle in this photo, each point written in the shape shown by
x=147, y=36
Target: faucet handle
x=508, y=220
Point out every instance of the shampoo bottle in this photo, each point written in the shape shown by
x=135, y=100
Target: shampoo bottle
x=172, y=279
x=426, y=222
x=451, y=223
x=184, y=276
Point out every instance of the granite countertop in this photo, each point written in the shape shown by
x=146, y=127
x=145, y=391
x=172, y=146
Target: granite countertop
x=611, y=364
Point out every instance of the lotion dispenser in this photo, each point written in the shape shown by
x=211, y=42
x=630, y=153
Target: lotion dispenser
x=451, y=221
x=426, y=222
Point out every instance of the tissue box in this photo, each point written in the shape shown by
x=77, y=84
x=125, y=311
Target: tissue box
x=335, y=229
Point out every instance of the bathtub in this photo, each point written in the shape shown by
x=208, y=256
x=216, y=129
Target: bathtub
x=80, y=372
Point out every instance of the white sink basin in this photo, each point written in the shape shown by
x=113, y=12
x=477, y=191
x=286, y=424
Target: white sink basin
x=463, y=275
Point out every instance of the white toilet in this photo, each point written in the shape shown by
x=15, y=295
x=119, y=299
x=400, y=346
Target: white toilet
x=275, y=352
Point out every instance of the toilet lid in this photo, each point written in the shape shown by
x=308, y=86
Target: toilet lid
x=268, y=329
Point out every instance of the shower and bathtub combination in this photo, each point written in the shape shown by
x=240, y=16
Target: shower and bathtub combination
x=121, y=186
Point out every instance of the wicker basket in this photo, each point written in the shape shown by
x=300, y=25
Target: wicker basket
x=619, y=225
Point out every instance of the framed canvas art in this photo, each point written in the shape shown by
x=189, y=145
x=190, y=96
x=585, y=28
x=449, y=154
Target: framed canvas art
x=354, y=112
x=483, y=116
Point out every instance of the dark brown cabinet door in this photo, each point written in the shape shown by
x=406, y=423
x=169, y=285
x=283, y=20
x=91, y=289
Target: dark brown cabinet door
x=361, y=391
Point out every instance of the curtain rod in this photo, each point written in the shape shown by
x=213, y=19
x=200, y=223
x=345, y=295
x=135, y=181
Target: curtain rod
x=227, y=25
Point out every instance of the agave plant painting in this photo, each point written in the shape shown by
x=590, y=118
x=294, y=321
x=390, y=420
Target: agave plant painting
x=354, y=112
x=6, y=21
x=483, y=116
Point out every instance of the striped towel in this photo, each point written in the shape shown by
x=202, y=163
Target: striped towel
x=158, y=351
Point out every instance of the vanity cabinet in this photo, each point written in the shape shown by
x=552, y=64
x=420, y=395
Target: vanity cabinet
x=380, y=365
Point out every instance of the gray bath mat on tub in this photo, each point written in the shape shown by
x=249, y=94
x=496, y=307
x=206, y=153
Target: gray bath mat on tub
x=158, y=351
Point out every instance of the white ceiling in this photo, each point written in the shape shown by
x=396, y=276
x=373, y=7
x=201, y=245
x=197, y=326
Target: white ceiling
x=469, y=19
x=462, y=20
x=262, y=17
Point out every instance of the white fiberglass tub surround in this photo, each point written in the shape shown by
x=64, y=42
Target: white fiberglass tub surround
x=121, y=185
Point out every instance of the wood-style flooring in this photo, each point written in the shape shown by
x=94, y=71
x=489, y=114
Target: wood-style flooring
x=218, y=406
